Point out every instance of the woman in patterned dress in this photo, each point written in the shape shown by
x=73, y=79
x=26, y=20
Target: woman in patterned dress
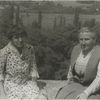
x=18, y=70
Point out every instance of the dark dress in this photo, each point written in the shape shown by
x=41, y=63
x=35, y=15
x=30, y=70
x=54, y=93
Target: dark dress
x=80, y=83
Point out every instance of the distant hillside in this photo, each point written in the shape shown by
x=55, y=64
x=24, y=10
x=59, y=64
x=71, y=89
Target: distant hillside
x=72, y=3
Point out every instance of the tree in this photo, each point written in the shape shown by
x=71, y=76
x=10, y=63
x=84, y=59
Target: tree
x=55, y=23
x=76, y=17
x=6, y=19
x=86, y=1
x=17, y=14
x=90, y=23
x=40, y=20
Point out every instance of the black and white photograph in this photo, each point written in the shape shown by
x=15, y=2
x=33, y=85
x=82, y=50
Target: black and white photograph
x=50, y=49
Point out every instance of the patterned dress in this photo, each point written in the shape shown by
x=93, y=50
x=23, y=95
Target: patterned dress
x=15, y=68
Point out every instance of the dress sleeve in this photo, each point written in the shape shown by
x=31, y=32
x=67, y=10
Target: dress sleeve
x=2, y=64
x=95, y=85
x=34, y=71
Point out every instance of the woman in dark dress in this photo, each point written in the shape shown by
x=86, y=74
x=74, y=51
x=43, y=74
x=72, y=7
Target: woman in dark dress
x=84, y=72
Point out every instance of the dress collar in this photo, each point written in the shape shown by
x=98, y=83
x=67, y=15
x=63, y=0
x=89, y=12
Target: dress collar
x=13, y=48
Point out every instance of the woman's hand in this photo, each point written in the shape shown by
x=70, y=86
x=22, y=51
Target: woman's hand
x=82, y=96
x=34, y=79
x=2, y=91
x=44, y=92
x=69, y=81
x=23, y=81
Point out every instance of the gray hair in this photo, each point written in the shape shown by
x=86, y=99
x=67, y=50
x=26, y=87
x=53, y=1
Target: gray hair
x=87, y=30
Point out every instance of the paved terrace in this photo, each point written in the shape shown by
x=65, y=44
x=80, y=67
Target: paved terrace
x=52, y=86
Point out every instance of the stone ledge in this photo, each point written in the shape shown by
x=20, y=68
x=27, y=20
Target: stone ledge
x=51, y=86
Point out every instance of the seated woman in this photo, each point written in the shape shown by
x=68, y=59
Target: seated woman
x=18, y=71
x=84, y=72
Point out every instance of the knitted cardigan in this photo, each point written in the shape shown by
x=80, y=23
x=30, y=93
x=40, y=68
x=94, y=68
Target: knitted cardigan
x=91, y=69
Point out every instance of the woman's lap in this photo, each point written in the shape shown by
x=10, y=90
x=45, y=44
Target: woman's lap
x=71, y=91
x=28, y=90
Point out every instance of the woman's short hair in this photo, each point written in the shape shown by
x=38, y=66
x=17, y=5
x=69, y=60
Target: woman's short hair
x=16, y=31
x=88, y=30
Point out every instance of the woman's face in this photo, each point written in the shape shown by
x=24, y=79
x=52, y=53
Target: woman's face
x=18, y=41
x=86, y=41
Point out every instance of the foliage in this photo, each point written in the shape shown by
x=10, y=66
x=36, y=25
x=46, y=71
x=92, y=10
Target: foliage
x=86, y=1
x=76, y=17
x=90, y=23
x=52, y=46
